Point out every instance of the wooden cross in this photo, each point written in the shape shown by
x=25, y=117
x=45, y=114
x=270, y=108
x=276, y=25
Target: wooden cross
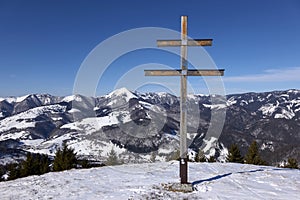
x=183, y=73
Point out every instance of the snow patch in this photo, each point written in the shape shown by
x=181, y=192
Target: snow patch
x=192, y=97
x=165, y=151
x=15, y=99
x=215, y=106
x=285, y=114
x=285, y=95
x=14, y=136
x=92, y=124
x=267, y=145
x=74, y=110
x=57, y=118
x=32, y=142
x=269, y=109
x=210, y=146
x=155, y=108
x=15, y=123
x=20, y=99
x=10, y=99
x=223, y=154
x=72, y=98
x=231, y=101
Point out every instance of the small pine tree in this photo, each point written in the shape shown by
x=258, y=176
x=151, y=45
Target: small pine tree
x=14, y=171
x=153, y=157
x=2, y=172
x=234, y=154
x=212, y=159
x=292, y=163
x=58, y=160
x=200, y=157
x=252, y=156
x=69, y=158
x=65, y=159
x=44, y=164
x=27, y=165
x=35, y=164
x=112, y=158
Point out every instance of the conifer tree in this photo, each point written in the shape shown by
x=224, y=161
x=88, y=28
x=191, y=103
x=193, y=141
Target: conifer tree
x=292, y=163
x=14, y=171
x=58, y=161
x=2, y=172
x=252, y=156
x=153, y=157
x=212, y=159
x=112, y=158
x=44, y=164
x=28, y=166
x=200, y=157
x=35, y=164
x=69, y=158
x=234, y=154
x=64, y=159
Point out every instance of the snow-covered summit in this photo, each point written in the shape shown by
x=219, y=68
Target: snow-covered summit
x=72, y=98
x=15, y=99
x=121, y=92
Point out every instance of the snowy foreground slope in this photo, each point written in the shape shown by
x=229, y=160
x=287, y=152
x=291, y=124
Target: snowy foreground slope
x=147, y=181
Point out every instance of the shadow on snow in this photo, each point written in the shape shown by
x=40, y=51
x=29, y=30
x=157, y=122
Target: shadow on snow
x=228, y=174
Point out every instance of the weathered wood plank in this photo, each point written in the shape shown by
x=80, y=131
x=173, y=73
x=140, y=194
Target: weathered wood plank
x=162, y=72
x=177, y=43
x=183, y=107
x=213, y=72
x=191, y=72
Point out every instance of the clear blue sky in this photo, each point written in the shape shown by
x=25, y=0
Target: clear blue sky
x=44, y=42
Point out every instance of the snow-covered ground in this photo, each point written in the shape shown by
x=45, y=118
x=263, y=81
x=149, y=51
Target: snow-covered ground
x=146, y=181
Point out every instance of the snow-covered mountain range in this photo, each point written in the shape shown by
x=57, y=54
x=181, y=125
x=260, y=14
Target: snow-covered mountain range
x=138, y=125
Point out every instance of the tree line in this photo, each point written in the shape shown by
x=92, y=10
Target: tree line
x=252, y=157
x=37, y=164
x=234, y=155
x=66, y=158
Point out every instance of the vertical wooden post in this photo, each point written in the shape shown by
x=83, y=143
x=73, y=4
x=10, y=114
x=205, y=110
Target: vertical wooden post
x=183, y=108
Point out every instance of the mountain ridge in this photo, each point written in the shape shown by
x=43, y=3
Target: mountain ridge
x=137, y=124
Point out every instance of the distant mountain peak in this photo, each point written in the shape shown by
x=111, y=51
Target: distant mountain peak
x=74, y=97
x=124, y=92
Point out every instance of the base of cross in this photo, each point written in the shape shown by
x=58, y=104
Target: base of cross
x=183, y=168
x=178, y=187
